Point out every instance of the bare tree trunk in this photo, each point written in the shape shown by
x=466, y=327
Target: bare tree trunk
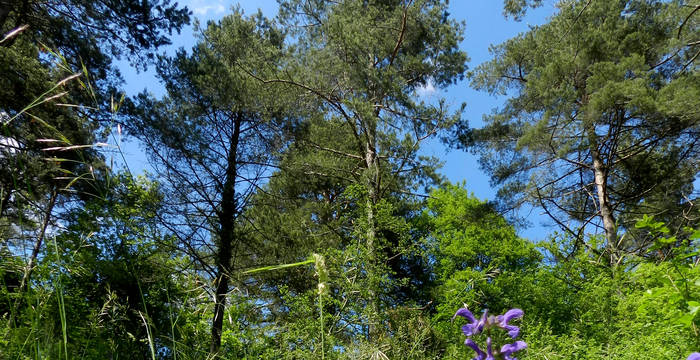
x=606, y=213
x=227, y=219
x=219, y=306
x=600, y=179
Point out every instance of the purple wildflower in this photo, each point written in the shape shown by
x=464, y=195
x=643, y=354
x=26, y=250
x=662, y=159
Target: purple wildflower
x=694, y=356
x=475, y=326
x=502, y=321
x=507, y=350
x=489, y=350
x=480, y=355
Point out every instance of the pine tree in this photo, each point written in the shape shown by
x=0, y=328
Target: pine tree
x=595, y=133
x=214, y=139
x=362, y=62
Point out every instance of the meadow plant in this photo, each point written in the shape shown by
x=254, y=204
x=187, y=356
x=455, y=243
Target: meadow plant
x=485, y=324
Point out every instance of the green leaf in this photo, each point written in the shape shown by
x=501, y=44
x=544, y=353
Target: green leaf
x=685, y=320
x=694, y=307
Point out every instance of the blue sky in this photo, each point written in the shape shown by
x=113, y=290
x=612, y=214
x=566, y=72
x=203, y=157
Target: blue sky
x=485, y=25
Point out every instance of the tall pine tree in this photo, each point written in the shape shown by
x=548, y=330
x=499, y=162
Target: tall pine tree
x=599, y=128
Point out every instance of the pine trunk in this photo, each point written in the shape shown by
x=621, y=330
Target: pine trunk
x=227, y=219
x=604, y=205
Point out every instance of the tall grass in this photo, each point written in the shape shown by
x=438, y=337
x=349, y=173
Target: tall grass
x=28, y=330
x=34, y=334
x=61, y=301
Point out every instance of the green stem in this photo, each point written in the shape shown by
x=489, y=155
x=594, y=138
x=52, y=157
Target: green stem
x=320, y=310
x=277, y=267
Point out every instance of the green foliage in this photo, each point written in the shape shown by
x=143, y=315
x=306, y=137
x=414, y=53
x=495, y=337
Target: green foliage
x=57, y=61
x=518, y=8
x=95, y=32
x=288, y=165
x=110, y=279
x=588, y=133
x=576, y=307
x=479, y=260
x=45, y=112
x=633, y=313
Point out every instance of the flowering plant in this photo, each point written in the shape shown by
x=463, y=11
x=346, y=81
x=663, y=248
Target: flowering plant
x=485, y=323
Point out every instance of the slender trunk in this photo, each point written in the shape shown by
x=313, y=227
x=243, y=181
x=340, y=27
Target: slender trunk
x=227, y=219
x=217, y=325
x=34, y=256
x=606, y=213
x=372, y=169
x=373, y=184
x=600, y=178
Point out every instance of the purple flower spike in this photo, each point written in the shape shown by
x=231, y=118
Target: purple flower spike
x=471, y=329
x=489, y=350
x=480, y=355
x=513, y=331
x=475, y=326
x=512, y=314
x=694, y=356
x=482, y=322
x=503, y=320
x=465, y=313
x=507, y=350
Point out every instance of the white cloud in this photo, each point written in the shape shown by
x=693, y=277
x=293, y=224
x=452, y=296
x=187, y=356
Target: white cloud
x=203, y=10
x=204, y=7
x=426, y=90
